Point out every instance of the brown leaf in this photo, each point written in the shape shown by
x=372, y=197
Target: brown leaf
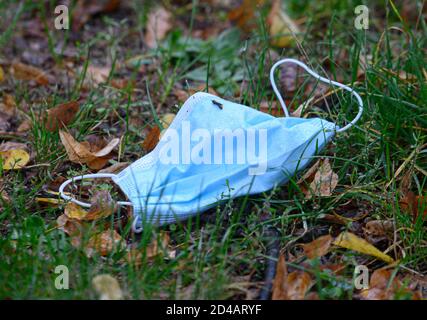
x=414, y=205
x=69, y=226
x=382, y=287
x=158, y=25
x=115, y=168
x=156, y=247
x=107, y=287
x=244, y=15
x=9, y=105
x=318, y=247
x=183, y=95
x=324, y=182
x=22, y=71
x=61, y=115
x=104, y=243
x=290, y=286
x=96, y=75
x=151, y=139
x=379, y=228
x=81, y=152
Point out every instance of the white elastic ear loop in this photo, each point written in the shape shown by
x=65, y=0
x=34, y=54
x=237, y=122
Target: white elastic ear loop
x=86, y=176
x=315, y=75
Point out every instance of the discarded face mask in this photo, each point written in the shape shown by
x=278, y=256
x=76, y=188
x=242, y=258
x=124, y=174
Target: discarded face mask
x=215, y=150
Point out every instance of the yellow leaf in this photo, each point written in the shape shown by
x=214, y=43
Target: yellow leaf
x=49, y=200
x=282, y=28
x=167, y=119
x=74, y=211
x=1, y=74
x=107, y=287
x=14, y=159
x=350, y=241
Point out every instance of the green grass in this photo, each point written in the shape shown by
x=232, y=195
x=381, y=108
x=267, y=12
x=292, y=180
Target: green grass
x=223, y=253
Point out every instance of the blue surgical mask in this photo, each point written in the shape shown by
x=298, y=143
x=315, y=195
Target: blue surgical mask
x=215, y=150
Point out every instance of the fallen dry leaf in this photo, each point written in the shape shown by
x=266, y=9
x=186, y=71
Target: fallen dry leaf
x=244, y=14
x=69, y=226
x=318, y=247
x=151, y=139
x=383, y=287
x=13, y=155
x=290, y=286
x=115, y=168
x=104, y=243
x=102, y=205
x=324, y=182
x=183, y=95
x=414, y=205
x=107, y=287
x=82, y=153
x=379, y=228
x=1, y=75
x=158, y=25
x=97, y=75
x=61, y=115
x=350, y=241
x=158, y=246
x=74, y=211
x=9, y=105
x=282, y=27
x=21, y=71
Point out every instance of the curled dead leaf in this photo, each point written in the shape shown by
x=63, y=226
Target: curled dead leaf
x=151, y=139
x=82, y=153
x=102, y=205
x=290, y=286
x=158, y=246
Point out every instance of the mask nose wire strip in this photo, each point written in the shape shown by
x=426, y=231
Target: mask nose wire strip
x=82, y=177
x=315, y=75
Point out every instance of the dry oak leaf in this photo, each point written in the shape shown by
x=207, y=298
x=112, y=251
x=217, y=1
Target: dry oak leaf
x=350, y=241
x=104, y=243
x=21, y=71
x=9, y=105
x=107, y=287
x=61, y=115
x=69, y=226
x=324, y=182
x=74, y=211
x=290, y=286
x=81, y=152
x=158, y=25
x=13, y=155
x=318, y=248
x=383, y=287
x=282, y=27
